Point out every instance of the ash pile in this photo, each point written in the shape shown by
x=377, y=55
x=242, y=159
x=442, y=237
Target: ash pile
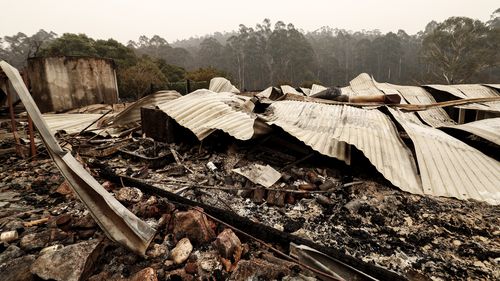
x=274, y=185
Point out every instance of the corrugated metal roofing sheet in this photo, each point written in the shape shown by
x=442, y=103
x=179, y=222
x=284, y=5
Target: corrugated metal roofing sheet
x=70, y=123
x=132, y=114
x=266, y=93
x=221, y=84
x=434, y=117
x=312, y=123
x=488, y=129
x=286, y=89
x=494, y=86
x=204, y=111
x=328, y=128
x=449, y=167
x=471, y=91
x=315, y=88
x=306, y=91
x=364, y=85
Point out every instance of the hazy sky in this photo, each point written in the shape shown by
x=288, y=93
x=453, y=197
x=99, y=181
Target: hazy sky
x=180, y=19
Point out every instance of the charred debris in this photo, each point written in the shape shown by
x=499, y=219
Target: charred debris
x=371, y=181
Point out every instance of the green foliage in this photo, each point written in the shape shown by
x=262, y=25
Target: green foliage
x=140, y=79
x=173, y=73
x=205, y=74
x=70, y=44
x=459, y=48
x=158, y=47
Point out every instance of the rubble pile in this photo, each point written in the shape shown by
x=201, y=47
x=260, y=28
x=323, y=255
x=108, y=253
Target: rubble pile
x=242, y=187
x=343, y=209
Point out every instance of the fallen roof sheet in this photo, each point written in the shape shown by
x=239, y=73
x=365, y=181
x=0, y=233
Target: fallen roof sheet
x=465, y=91
x=363, y=84
x=494, y=86
x=119, y=224
x=71, y=123
x=204, y=111
x=315, y=88
x=306, y=91
x=221, y=84
x=449, y=167
x=132, y=114
x=286, y=89
x=434, y=117
x=328, y=128
x=488, y=129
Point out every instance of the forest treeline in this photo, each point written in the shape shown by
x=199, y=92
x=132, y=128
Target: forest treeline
x=458, y=50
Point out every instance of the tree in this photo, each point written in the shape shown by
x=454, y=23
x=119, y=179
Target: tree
x=459, y=48
x=20, y=47
x=205, y=74
x=139, y=79
x=173, y=73
x=70, y=44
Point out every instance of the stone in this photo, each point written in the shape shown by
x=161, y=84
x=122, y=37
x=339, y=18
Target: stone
x=50, y=249
x=65, y=190
x=40, y=240
x=228, y=245
x=9, y=236
x=209, y=261
x=146, y=274
x=157, y=250
x=129, y=195
x=10, y=253
x=17, y=269
x=258, y=269
x=147, y=209
x=193, y=225
x=86, y=233
x=86, y=222
x=179, y=274
x=191, y=268
x=72, y=263
x=181, y=251
x=63, y=219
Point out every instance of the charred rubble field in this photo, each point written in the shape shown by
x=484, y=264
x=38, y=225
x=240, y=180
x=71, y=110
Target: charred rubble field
x=47, y=233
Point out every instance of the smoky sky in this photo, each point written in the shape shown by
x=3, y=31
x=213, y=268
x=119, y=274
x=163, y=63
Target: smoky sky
x=126, y=20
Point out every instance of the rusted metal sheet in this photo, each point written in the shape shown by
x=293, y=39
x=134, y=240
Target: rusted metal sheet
x=220, y=84
x=488, y=129
x=204, y=111
x=449, y=167
x=117, y=222
x=62, y=83
x=131, y=115
x=329, y=128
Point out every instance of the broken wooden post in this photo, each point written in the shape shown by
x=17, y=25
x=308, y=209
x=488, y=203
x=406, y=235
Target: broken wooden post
x=13, y=124
x=32, y=137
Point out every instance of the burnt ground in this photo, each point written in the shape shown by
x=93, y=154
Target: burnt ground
x=419, y=237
